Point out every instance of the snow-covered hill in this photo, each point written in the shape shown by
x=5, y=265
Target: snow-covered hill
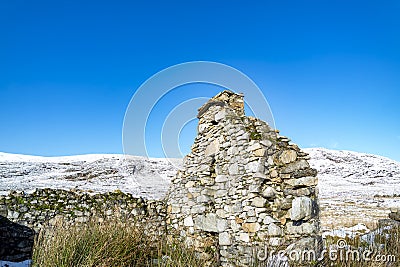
x=354, y=187
x=147, y=177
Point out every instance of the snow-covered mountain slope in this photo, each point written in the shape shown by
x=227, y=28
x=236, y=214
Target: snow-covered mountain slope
x=353, y=187
x=147, y=177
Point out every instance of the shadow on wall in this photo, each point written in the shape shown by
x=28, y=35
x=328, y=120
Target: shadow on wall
x=16, y=241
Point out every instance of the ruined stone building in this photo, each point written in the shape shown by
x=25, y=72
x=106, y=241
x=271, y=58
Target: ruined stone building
x=243, y=187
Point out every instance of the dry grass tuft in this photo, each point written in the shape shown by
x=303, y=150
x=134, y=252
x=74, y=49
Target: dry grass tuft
x=110, y=243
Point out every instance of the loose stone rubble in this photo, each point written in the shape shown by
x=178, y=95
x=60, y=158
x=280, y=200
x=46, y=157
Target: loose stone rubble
x=243, y=187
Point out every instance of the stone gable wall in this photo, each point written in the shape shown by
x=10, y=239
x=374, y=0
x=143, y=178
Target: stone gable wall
x=243, y=186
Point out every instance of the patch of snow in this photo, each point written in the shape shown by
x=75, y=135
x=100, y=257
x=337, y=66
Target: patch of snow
x=26, y=263
x=351, y=232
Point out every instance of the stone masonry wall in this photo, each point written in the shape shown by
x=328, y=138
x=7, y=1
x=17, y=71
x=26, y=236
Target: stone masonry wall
x=44, y=207
x=242, y=186
x=22, y=214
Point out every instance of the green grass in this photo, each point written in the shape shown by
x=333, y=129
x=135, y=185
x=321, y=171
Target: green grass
x=111, y=243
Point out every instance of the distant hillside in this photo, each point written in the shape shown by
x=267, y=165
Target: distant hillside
x=147, y=177
x=355, y=187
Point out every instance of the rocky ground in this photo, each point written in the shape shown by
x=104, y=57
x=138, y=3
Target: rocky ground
x=354, y=187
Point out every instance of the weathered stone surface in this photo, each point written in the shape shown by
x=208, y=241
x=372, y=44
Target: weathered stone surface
x=304, y=228
x=260, y=152
x=254, y=166
x=221, y=225
x=288, y=156
x=275, y=242
x=269, y=192
x=274, y=230
x=224, y=239
x=220, y=115
x=304, y=181
x=207, y=222
x=298, y=165
x=221, y=178
x=267, y=143
x=260, y=175
x=203, y=199
x=268, y=219
x=188, y=221
x=251, y=227
x=301, y=209
x=212, y=148
x=273, y=173
x=244, y=237
x=174, y=209
x=233, y=169
x=394, y=209
x=190, y=184
x=259, y=202
x=197, y=209
x=202, y=127
x=254, y=145
x=298, y=192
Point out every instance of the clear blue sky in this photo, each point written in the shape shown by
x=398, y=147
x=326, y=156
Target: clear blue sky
x=329, y=69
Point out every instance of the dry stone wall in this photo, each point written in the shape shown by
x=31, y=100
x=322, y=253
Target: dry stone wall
x=243, y=186
x=46, y=207
x=22, y=214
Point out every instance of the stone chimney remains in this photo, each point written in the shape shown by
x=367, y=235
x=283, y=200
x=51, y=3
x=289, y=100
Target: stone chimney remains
x=243, y=188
